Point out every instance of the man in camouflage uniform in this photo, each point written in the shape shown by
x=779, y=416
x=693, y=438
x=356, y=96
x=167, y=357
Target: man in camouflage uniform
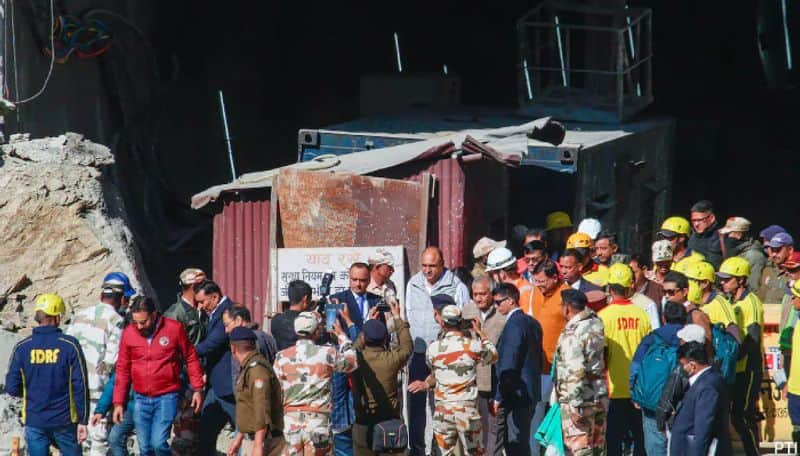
x=98, y=330
x=580, y=378
x=453, y=360
x=184, y=428
x=305, y=371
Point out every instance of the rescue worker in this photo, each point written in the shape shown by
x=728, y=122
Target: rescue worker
x=453, y=360
x=662, y=261
x=676, y=231
x=591, y=271
x=715, y=305
x=184, y=310
x=605, y=247
x=559, y=227
x=791, y=389
x=98, y=329
x=625, y=325
x=48, y=371
x=733, y=274
x=259, y=400
x=501, y=266
x=580, y=377
x=120, y=279
x=305, y=371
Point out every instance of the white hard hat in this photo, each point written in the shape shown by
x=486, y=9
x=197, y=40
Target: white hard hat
x=590, y=226
x=662, y=251
x=499, y=258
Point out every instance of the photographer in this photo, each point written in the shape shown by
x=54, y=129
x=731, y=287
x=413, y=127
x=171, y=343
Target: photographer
x=375, y=383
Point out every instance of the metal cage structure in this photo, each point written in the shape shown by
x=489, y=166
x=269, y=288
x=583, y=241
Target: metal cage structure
x=585, y=63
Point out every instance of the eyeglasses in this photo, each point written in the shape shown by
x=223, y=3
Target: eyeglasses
x=671, y=291
x=701, y=219
x=533, y=259
x=498, y=302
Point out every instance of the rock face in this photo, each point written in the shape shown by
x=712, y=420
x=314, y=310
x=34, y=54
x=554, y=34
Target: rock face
x=62, y=229
x=62, y=226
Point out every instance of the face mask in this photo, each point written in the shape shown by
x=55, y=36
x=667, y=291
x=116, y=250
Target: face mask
x=731, y=244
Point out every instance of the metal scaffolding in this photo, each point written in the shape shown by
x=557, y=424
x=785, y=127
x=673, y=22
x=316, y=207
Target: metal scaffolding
x=585, y=63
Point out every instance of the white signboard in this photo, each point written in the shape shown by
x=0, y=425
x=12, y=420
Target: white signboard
x=310, y=264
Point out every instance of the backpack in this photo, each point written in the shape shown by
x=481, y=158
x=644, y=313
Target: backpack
x=658, y=361
x=726, y=352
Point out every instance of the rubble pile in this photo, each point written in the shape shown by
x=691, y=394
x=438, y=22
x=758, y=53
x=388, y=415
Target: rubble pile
x=62, y=226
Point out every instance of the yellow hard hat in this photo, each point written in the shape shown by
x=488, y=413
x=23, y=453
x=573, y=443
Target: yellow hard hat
x=51, y=304
x=579, y=241
x=620, y=274
x=734, y=267
x=700, y=270
x=683, y=264
x=556, y=220
x=796, y=289
x=675, y=225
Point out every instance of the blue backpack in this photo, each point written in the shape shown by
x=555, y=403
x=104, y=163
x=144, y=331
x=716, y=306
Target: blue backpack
x=726, y=352
x=658, y=362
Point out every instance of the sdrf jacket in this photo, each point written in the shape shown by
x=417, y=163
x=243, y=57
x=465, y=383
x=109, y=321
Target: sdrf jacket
x=48, y=371
x=153, y=365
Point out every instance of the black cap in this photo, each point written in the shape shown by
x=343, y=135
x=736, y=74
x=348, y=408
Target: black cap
x=441, y=301
x=375, y=332
x=242, y=333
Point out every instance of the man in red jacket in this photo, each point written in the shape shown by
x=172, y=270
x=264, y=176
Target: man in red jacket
x=150, y=354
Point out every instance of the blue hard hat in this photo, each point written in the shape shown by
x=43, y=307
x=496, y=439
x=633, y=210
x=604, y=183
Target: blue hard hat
x=120, y=278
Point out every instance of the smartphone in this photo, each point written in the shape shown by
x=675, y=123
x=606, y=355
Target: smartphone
x=331, y=314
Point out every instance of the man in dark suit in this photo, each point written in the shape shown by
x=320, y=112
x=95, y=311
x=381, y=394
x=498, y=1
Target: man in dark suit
x=358, y=303
x=220, y=404
x=517, y=373
x=701, y=422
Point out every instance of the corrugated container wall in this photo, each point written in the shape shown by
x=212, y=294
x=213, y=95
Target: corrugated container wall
x=241, y=250
x=470, y=200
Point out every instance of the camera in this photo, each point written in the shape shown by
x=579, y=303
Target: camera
x=383, y=304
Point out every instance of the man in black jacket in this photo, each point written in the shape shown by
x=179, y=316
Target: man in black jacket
x=282, y=327
x=705, y=239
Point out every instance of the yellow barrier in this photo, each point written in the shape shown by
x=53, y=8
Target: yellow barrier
x=776, y=427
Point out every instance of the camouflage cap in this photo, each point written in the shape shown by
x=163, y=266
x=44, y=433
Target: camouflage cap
x=306, y=323
x=451, y=315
